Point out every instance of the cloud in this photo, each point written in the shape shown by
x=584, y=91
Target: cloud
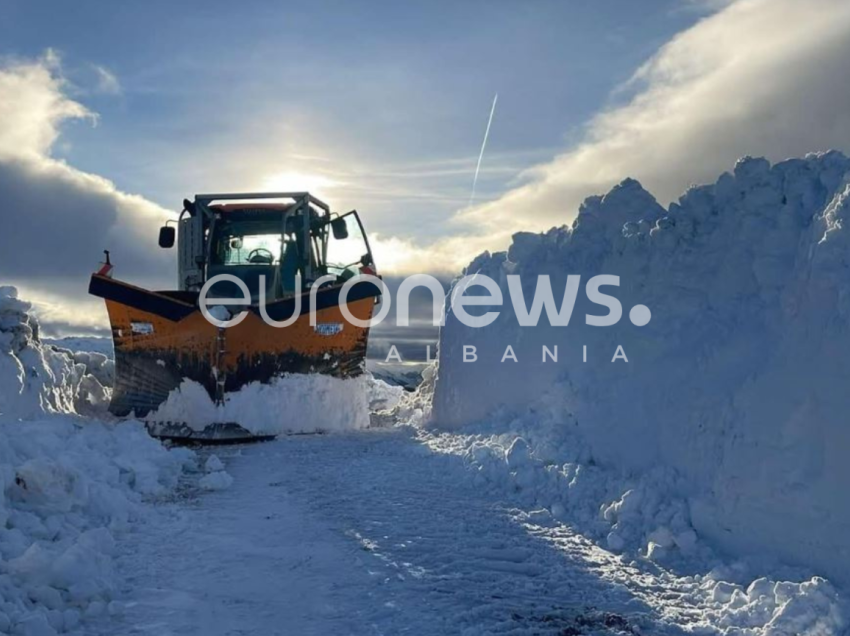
x=404, y=257
x=107, y=82
x=759, y=77
x=444, y=257
x=57, y=219
x=32, y=108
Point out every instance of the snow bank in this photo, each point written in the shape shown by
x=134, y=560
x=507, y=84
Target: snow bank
x=290, y=404
x=733, y=401
x=68, y=486
x=36, y=378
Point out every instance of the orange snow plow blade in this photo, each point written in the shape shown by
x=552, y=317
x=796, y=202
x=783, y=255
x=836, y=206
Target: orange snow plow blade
x=159, y=341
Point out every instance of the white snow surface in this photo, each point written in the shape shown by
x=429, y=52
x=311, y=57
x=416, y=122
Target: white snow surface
x=69, y=487
x=730, y=417
x=361, y=532
x=388, y=531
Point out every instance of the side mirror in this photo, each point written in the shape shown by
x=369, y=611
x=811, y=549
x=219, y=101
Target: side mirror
x=339, y=228
x=366, y=260
x=166, y=236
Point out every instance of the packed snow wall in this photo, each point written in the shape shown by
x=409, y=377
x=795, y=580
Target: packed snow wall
x=740, y=380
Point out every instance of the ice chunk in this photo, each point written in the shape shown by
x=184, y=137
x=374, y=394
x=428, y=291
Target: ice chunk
x=216, y=481
x=213, y=464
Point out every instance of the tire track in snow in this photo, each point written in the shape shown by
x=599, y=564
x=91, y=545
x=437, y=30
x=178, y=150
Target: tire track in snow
x=450, y=557
x=368, y=533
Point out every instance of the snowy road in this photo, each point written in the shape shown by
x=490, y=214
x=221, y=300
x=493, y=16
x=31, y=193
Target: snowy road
x=371, y=533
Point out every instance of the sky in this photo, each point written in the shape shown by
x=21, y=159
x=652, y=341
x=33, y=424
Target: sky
x=112, y=113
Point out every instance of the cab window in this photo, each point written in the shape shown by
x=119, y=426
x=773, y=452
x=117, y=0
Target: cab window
x=345, y=254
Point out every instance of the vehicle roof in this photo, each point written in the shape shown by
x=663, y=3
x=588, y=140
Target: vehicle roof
x=263, y=199
x=231, y=207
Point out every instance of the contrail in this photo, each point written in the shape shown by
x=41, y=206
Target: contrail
x=483, y=146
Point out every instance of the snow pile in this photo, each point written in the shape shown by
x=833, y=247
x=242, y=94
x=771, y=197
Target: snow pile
x=36, y=378
x=67, y=488
x=292, y=403
x=733, y=400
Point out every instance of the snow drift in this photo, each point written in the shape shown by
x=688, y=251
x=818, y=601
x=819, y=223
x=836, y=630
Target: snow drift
x=68, y=484
x=735, y=389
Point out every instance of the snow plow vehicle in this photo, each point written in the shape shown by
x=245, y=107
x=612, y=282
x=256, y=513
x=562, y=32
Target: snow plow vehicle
x=268, y=257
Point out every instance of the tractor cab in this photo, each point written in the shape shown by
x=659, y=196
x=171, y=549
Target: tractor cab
x=267, y=241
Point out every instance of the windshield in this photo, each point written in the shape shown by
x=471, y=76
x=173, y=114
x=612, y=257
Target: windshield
x=335, y=246
x=253, y=249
